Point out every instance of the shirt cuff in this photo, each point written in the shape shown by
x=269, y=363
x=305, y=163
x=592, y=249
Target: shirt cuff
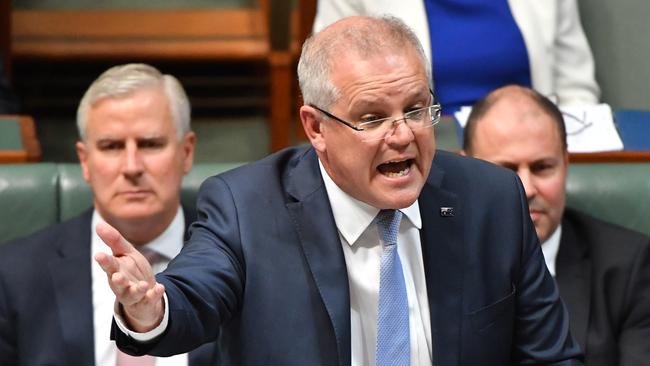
x=142, y=337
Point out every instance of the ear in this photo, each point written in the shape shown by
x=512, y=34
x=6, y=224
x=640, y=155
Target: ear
x=82, y=154
x=310, y=119
x=189, y=144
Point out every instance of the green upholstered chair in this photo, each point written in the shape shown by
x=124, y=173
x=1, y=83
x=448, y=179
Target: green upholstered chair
x=28, y=198
x=614, y=192
x=34, y=196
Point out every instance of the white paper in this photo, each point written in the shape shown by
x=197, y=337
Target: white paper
x=590, y=128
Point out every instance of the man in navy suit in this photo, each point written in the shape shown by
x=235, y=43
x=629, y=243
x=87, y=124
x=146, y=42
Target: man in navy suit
x=285, y=265
x=602, y=270
x=136, y=145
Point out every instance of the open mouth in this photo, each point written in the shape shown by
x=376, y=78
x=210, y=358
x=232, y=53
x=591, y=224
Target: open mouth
x=395, y=169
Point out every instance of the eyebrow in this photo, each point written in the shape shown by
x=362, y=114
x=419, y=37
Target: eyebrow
x=413, y=96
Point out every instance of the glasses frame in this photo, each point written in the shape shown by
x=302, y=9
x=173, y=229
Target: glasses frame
x=437, y=107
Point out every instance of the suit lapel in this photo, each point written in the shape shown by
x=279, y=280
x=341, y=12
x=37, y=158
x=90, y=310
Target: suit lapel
x=574, y=280
x=442, y=250
x=312, y=217
x=71, y=276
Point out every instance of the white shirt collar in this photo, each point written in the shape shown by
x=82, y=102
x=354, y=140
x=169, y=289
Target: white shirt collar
x=550, y=248
x=352, y=216
x=168, y=244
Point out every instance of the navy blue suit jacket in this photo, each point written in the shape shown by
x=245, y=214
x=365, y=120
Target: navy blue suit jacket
x=46, y=315
x=264, y=272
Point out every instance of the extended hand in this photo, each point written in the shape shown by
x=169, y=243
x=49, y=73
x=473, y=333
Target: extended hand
x=132, y=280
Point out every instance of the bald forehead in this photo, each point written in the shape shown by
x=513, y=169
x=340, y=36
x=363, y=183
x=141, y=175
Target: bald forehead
x=513, y=118
x=364, y=36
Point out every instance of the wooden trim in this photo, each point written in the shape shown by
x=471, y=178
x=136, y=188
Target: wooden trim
x=5, y=36
x=280, y=111
x=32, y=147
x=134, y=34
x=611, y=157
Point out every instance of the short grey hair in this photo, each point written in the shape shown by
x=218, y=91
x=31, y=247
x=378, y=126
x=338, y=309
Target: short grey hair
x=374, y=35
x=122, y=80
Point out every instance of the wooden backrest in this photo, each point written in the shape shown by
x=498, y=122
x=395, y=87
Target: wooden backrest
x=5, y=36
x=162, y=34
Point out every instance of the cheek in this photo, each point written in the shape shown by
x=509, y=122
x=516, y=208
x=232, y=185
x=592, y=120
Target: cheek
x=103, y=173
x=165, y=170
x=554, y=192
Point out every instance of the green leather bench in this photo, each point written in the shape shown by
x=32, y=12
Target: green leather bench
x=33, y=196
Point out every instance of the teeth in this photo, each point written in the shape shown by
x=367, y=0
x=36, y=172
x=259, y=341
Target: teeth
x=398, y=174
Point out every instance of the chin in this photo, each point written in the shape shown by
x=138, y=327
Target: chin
x=397, y=201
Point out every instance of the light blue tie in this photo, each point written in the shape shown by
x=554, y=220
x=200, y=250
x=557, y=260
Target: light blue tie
x=393, y=344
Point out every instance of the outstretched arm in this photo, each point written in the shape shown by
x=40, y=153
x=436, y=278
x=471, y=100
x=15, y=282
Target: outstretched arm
x=132, y=280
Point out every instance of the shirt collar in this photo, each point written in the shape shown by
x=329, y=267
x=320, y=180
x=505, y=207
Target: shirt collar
x=550, y=248
x=168, y=244
x=352, y=217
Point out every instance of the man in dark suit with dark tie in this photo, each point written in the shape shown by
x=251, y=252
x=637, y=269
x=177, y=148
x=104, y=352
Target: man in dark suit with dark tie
x=136, y=145
x=602, y=270
x=361, y=249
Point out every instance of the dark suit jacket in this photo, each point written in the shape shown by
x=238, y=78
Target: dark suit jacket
x=264, y=271
x=46, y=315
x=603, y=272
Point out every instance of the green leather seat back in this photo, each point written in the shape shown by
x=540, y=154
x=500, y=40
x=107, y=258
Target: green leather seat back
x=196, y=176
x=28, y=198
x=75, y=195
x=34, y=196
x=614, y=192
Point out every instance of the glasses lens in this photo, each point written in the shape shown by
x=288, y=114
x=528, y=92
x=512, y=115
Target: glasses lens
x=416, y=119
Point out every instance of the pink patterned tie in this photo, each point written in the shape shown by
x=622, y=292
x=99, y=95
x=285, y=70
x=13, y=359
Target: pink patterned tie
x=127, y=360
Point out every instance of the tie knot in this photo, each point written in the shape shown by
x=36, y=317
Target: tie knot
x=151, y=255
x=388, y=224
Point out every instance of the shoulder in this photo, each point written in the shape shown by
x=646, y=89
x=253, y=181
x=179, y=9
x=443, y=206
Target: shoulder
x=272, y=170
x=605, y=241
x=471, y=175
x=42, y=244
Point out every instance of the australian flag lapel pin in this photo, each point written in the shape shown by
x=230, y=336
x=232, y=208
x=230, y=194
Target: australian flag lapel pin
x=447, y=211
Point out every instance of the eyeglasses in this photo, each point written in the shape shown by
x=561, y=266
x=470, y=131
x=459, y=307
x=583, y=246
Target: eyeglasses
x=379, y=129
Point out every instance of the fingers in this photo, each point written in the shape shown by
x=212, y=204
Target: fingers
x=108, y=263
x=113, y=239
x=130, y=293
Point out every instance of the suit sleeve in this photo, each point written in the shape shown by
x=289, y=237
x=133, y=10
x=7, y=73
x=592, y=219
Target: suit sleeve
x=8, y=351
x=542, y=321
x=634, y=339
x=204, y=283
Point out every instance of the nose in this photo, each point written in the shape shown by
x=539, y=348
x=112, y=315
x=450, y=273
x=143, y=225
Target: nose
x=133, y=166
x=527, y=180
x=401, y=134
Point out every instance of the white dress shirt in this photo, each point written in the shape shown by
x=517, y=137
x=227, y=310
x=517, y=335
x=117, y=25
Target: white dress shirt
x=550, y=248
x=362, y=249
x=168, y=245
